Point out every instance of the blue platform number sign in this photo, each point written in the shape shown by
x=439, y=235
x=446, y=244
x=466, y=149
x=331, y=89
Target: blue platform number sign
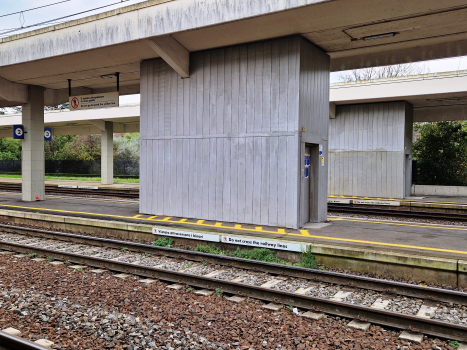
x=47, y=134
x=307, y=164
x=18, y=132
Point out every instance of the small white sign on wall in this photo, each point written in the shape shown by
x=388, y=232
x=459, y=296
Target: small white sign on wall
x=339, y=200
x=376, y=202
x=259, y=243
x=186, y=234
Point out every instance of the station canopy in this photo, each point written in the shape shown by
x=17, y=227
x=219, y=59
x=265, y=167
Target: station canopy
x=355, y=33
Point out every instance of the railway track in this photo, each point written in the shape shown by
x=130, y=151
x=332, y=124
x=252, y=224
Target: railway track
x=10, y=342
x=398, y=213
x=74, y=191
x=307, y=289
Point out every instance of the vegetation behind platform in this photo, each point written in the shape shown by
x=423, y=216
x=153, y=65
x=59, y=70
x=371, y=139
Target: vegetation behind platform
x=440, y=153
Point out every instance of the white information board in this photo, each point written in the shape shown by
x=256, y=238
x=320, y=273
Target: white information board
x=376, y=202
x=339, y=200
x=186, y=234
x=259, y=243
x=104, y=100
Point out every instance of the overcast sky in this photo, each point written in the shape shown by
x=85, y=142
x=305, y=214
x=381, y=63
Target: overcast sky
x=72, y=7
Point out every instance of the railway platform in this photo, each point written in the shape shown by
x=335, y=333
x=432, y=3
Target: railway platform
x=406, y=249
x=443, y=240
x=14, y=183
x=442, y=204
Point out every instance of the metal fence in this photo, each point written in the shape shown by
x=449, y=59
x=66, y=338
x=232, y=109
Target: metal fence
x=121, y=167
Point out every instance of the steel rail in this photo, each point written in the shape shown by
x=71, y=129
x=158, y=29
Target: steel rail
x=398, y=213
x=353, y=281
x=10, y=342
x=377, y=316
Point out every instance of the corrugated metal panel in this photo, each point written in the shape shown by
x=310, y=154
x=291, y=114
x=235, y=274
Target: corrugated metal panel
x=367, y=152
x=223, y=144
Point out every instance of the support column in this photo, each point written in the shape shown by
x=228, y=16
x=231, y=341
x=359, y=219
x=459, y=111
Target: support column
x=107, y=155
x=32, y=156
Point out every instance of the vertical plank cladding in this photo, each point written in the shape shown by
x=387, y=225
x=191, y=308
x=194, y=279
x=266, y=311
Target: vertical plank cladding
x=313, y=108
x=371, y=157
x=224, y=143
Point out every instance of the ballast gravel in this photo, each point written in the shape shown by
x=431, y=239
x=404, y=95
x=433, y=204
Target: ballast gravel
x=82, y=310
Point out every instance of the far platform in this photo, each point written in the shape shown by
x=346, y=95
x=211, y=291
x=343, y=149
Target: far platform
x=420, y=239
x=117, y=186
x=453, y=204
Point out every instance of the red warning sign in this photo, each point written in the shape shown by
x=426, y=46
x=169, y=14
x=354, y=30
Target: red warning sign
x=74, y=103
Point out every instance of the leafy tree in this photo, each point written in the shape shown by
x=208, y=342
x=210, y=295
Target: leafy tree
x=54, y=150
x=127, y=147
x=441, y=154
x=83, y=147
x=10, y=149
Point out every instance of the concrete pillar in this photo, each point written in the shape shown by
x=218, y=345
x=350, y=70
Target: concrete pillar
x=32, y=158
x=107, y=155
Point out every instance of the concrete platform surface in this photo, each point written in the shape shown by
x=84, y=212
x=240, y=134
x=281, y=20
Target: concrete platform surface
x=56, y=183
x=393, y=236
x=412, y=199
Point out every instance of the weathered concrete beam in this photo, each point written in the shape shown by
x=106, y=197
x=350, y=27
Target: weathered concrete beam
x=124, y=89
x=440, y=113
x=173, y=53
x=99, y=123
x=332, y=110
x=54, y=97
x=13, y=91
x=84, y=130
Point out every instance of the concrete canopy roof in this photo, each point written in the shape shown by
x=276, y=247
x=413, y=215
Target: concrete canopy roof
x=435, y=97
x=355, y=33
x=82, y=122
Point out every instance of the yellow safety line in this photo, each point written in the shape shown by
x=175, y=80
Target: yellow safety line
x=280, y=231
x=77, y=199
x=167, y=219
x=399, y=200
x=389, y=244
x=400, y=224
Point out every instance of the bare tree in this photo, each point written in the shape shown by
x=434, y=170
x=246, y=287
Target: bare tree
x=397, y=70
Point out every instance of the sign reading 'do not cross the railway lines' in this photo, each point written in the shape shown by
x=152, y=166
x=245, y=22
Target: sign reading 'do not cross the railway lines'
x=294, y=247
x=104, y=100
x=376, y=202
x=186, y=234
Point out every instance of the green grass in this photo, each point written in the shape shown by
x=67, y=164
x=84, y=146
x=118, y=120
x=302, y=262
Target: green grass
x=308, y=260
x=454, y=343
x=163, y=242
x=259, y=254
x=73, y=178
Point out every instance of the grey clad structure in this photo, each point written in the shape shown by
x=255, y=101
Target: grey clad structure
x=370, y=150
x=229, y=142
